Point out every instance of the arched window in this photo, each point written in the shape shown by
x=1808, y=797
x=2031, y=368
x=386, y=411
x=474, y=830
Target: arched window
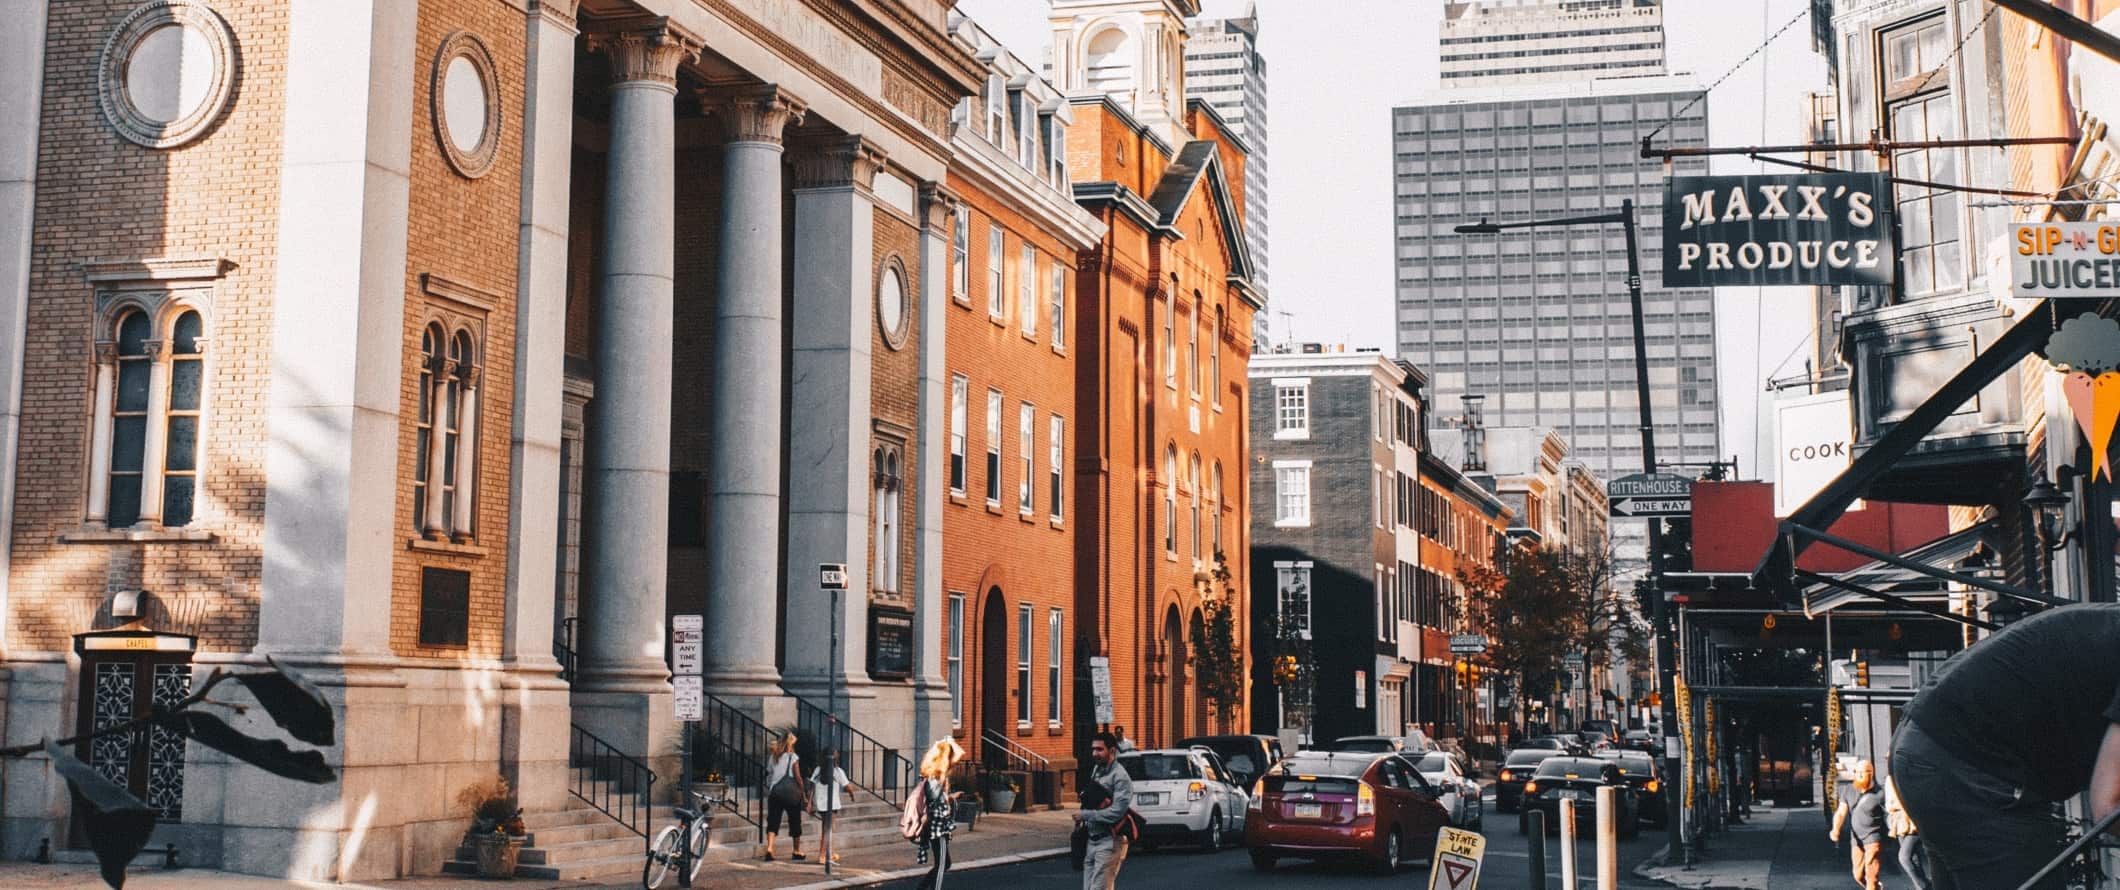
x=1108, y=62
x=1193, y=488
x=1214, y=506
x=1192, y=346
x=445, y=455
x=1214, y=361
x=1170, y=501
x=148, y=415
x=889, y=484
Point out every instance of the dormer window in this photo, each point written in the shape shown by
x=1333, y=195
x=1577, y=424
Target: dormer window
x=1026, y=131
x=1056, y=150
x=996, y=111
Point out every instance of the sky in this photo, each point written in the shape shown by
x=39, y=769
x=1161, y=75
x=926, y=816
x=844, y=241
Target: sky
x=1332, y=79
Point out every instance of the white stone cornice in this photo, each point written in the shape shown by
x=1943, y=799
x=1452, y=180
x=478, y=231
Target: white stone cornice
x=759, y=113
x=201, y=268
x=645, y=49
x=1021, y=190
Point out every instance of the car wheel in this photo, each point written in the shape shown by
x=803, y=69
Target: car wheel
x=1390, y=864
x=1211, y=839
x=1262, y=860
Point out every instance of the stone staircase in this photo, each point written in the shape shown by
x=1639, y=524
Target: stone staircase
x=582, y=842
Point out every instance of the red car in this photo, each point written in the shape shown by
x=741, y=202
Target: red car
x=1343, y=805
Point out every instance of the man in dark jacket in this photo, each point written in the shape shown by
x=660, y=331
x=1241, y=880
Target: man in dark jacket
x=2003, y=733
x=1100, y=870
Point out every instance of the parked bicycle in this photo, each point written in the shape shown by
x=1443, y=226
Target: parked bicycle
x=694, y=829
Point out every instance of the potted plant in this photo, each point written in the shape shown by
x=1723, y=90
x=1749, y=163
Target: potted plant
x=497, y=829
x=1001, y=793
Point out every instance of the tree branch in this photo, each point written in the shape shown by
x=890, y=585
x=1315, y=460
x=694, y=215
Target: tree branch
x=159, y=715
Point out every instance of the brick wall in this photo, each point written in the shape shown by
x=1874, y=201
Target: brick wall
x=102, y=197
x=464, y=229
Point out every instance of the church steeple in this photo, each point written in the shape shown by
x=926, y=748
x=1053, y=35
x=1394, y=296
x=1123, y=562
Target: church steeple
x=1130, y=50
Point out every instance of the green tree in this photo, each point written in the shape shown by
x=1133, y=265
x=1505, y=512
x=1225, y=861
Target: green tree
x=1528, y=611
x=1218, y=661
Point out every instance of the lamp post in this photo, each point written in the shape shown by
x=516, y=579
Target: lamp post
x=1666, y=653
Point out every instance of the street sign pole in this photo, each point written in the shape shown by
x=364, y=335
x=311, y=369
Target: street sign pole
x=686, y=635
x=832, y=577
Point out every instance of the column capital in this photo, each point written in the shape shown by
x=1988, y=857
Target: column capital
x=106, y=352
x=836, y=162
x=756, y=113
x=938, y=206
x=645, y=49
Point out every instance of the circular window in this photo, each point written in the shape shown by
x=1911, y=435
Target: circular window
x=892, y=311
x=166, y=73
x=467, y=120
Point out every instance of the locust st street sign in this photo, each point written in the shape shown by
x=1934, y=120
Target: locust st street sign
x=1650, y=496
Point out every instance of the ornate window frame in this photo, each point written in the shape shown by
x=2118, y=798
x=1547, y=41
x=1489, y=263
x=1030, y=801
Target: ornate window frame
x=118, y=107
x=893, y=268
x=460, y=312
x=478, y=161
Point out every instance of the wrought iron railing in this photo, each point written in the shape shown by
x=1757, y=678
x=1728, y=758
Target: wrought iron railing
x=608, y=779
x=872, y=766
x=730, y=747
x=1016, y=755
x=563, y=649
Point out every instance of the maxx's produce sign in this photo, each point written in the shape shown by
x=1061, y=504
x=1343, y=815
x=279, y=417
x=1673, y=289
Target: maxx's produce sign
x=1812, y=228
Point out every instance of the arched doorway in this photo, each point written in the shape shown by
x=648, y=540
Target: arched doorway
x=1174, y=646
x=993, y=679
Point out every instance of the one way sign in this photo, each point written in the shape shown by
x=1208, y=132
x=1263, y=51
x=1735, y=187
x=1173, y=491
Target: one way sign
x=1457, y=860
x=1650, y=496
x=1646, y=508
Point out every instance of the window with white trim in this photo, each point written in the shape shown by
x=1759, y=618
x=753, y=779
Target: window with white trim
x=1026, y=451
x=1026, y=130
x=959, y=391
x=889, y=484
x=1053, y=646
x=1055, y=451
x=1291, y=493
x=996, y=295
x=1056, y=150
x=1193, y=489
x=1292, y=581
x=1170, y=501
x=1214, y=505
x=148, y=417
x=1027, y=291
x=1170, y=341
x=1291, y=411
x=1192, y=347
x=1383, y=608
x=1214, y=362
x=956, y=659
x=961, y=256
x=996, y=111
x=1059, y=304
x=1376, y=495
x=1023, y=665
x=446, y=423
x=993, y=448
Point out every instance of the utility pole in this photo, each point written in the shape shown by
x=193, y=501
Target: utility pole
x=1666, y=651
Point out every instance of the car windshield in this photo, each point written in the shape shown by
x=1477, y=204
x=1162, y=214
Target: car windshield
x=1371, y=745
x=1153, y=767
x=1301, y=783
x=1528, y=757
x=1636, y=765
x=1434, y=762
x=1571, y=767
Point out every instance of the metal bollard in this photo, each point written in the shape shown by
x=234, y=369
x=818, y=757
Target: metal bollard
x=1608, y=838
x=1535, y=821
x=1568, y=845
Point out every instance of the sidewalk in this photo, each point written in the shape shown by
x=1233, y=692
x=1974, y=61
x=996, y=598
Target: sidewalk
x=1783, y=849
x=999, y=840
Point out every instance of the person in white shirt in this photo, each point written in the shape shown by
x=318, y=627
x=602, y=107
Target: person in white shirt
x=828, y=797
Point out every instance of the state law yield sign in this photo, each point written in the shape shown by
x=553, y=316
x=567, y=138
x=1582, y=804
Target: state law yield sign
x=1650, y=496
x=1457, y=860
x=1805, y=228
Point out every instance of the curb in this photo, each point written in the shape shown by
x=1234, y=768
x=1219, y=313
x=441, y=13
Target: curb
x=904, y=873
x=1654, y=860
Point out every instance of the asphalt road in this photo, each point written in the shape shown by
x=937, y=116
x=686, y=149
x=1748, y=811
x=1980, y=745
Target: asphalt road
x=1506, y=867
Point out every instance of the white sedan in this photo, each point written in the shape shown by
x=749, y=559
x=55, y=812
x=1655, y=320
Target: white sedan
x=1460, y=792
x=1185, y=796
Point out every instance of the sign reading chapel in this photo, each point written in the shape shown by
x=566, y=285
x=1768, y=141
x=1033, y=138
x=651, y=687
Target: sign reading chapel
x=1809, y=228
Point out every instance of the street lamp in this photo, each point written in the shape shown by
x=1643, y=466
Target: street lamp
x=1666, y=652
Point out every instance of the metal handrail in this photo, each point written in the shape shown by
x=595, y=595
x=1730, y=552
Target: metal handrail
x=727, y=742
x=563, y=649
x=1016, y=752
x=619, y=785
x=870, y=765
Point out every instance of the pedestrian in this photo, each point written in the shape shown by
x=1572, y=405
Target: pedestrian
x=1107, y=850
x=2001, y=734
x=941, y=808
x=1863, y=815
x=1125, y=744
x=784, y=794
x=1901, y=827
x=828, y=789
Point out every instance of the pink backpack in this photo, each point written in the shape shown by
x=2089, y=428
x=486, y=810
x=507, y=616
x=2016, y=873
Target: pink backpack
x=913, y=822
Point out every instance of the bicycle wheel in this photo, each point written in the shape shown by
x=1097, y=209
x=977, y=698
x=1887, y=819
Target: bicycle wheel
x=701, y=831
x=662, y=857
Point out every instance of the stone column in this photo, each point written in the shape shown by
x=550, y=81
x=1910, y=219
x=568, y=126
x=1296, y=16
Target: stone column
x=431, y=524
x=100, y=433
x=156, y=446
x=829, y=410
x=931, y=691
x=21, y=116
x=744, y=472
x=535, y=715
x=460, y=512
x=622, y=691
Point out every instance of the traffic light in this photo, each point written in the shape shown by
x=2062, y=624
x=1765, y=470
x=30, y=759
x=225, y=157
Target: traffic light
x=1677, y=548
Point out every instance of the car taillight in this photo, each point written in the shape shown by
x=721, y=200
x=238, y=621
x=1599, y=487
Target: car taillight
x=1531, y=787
x=1258, y=795
x=1653, y=785
x=1195, y=791
x=1365, y=801
x=1507, y=775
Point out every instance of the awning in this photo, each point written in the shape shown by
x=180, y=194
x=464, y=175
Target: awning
x=1957, y=549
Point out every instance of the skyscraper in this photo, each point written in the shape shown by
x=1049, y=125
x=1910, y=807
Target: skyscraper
x=1539, y=320
x=1224, y=69
x=1504, y=42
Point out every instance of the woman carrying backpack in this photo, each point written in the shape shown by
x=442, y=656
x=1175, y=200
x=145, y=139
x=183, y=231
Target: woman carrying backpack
x=784, y=795
x=931, y=813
